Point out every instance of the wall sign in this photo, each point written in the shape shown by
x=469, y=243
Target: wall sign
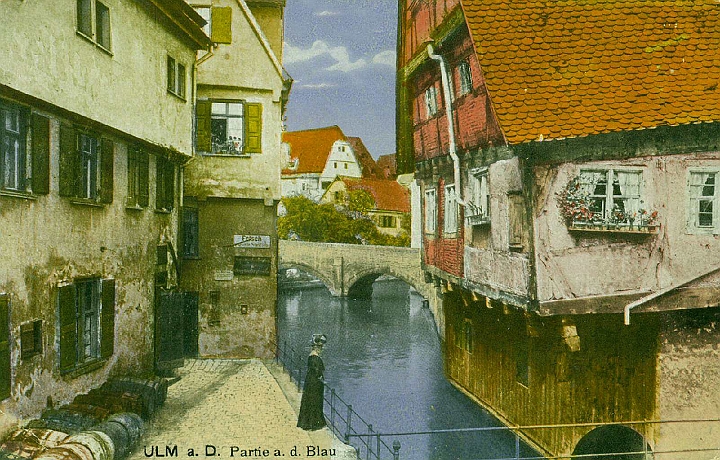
x=252, y=266
x=252, y=241
x=224, y=275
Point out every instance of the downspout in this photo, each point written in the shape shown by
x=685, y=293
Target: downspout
x=445, y=80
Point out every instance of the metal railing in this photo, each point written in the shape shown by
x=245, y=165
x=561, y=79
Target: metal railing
x=369, y=443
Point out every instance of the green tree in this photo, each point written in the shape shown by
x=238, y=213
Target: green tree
x=360, y=201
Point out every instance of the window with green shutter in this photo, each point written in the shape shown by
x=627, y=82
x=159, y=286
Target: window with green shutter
x=229, y=127
x=165, y=184
x=138, y=178
x=40, y=155
x=221, y=20
x=86, y=166
x=86, y=313
x=253, y=128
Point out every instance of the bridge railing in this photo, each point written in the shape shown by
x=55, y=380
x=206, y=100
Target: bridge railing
x=369, y=443
x=342, y=419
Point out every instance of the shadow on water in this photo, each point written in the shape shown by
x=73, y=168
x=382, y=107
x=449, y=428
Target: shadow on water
x=383, y=356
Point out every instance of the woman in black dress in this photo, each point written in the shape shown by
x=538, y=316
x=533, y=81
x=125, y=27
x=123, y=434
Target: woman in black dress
x=311, y=406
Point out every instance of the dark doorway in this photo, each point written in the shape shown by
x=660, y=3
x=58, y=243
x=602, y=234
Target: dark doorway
x=190, y=324
x=169, y=333
x=627, y=443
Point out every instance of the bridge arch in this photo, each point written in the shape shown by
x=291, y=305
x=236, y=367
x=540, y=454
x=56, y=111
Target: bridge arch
x=359, y=284
x=627, y=443
x=327, y=282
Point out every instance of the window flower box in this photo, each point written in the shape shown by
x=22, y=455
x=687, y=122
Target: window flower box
x=477, y=220
x=644, y=229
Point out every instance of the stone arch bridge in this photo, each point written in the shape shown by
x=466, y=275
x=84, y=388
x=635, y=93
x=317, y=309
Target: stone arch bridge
x=349, y=270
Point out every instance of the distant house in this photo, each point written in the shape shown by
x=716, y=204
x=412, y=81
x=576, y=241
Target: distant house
x=316, y=157
x=391, y=200
x=387, y=166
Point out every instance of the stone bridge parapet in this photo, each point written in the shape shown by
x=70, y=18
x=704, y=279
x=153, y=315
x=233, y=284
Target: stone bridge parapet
x=350, y=269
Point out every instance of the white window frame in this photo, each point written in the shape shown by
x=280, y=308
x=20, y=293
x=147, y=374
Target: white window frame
x=227, y=115
x=478, y=209
x=431, y=101
x=89, y=146
x=465, y=73
x=13, y=148
x=451, y=211
x=430, y=210
x=609, y=197
x=696, y=196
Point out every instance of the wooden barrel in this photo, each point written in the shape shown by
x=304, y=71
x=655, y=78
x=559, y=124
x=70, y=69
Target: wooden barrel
x=152, y=391
x=66, y=452
x=100, y=445
x=29, y=442
x=96, y=412
x=113, y=402
x=119, y=436
x=61, y=415
x=62, y=425
x=132, y=423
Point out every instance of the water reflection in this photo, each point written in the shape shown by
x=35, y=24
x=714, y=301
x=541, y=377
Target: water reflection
x=383, y=356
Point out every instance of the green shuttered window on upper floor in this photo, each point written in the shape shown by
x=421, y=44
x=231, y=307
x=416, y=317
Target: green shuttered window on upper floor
x=86, y=165
x=229, y=127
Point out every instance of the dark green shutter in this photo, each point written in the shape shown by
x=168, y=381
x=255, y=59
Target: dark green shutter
x=143, y=165
x=107, y=319
x=169, y=177
x=40, y=155
x=253, y=128
x=204, y=126
x=68, y=161
x=67, y=312
x=221, y=25
x=5, y=374
x=106, y=170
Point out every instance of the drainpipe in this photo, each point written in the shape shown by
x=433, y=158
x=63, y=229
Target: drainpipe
x=445, y=80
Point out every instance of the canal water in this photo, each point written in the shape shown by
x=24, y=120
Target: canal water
x=383, y=356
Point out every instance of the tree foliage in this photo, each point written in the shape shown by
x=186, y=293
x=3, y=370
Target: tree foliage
x=306, y=220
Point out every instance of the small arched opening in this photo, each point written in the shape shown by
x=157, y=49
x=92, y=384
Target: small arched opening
x=601, y=443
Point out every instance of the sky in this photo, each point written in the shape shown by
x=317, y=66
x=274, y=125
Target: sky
x=341, y=54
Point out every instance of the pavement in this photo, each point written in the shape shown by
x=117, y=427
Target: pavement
x=234, y=409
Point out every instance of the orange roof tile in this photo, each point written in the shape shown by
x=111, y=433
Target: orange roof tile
x=581, y=67
x=367, y=163
x=388, y=194
x=311, y=148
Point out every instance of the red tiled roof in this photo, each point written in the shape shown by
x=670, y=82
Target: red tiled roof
x=367, y=163
x=557, y=69
x=312, y=148
x=388, y=166
x=388, y=194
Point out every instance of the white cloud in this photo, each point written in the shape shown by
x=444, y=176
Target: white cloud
x=385, y=58
x=340, y=54
x=317, y=86
x=327, y=13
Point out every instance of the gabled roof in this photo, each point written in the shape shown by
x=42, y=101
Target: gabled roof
x=367, y=163
x=388, y=194
x=557, y=69
x=311, y=148
x=388, y=166
x=261, y=36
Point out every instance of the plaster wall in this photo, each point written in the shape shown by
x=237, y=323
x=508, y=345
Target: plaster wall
x=574, y=265
x=241, y=323
x=271, y=16
x=53, y=240
x=305, y=184
x=341, y=155
x=125, y=89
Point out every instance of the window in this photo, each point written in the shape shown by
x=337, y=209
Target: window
x=165, y=184
x=138, y=178
x=703, y=216
x=431, y=102
x=86, y=166
x=30, y=339
x=388, y=221
x=176, y=78
x=614, y=194
x=13, y=146
x=451, y=210
x=335, y=165
x=190, y=247
x=466, y=82
x=205, y=13
x=229, y=127
x=93, y=22
x=430, y=211
x=86, y=312
x=478, y=211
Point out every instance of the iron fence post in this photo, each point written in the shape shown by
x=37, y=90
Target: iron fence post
x=378, y=446
x=396, y=450
x=332, y=407
x=369, y=441
x=517, y=446
x=348, y=428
